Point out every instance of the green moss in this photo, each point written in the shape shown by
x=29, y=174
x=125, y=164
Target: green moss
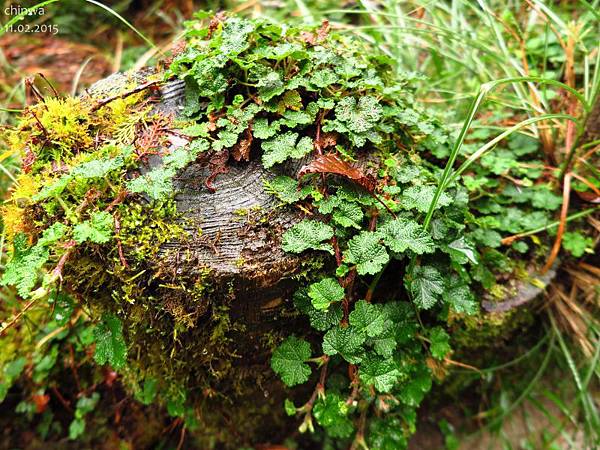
x=487, y=330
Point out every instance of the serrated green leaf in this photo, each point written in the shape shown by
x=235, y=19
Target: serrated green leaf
x=286, y=189
x=358, y=116
x=110, y=344
x=576, y=243
x=325, y=292
x=308, y=234
x=148, y=392
x=196, y=130
x=323, y=78
x=402, y=234
x=460, y=298
x=98, y=229
x=345, y=341
x=367, y=253
x=348, y=215
x=52, y=234
x=98, y=168
x=158, y=183
x=331, y=413
x=414, y=390
x=53, y=189
x=23, y=270
x=379, y=372
x=270, y=85
x=426, y=286
x=289, y=361
x=420, y=197
x=385, y=343
x=283, y=147
x=319, y=320
x=263, y=130
x=367, y=318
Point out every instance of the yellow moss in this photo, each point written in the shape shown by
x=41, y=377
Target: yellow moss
x=13, y=219
x=26, y=187
x=122, y=116
x=67, y=122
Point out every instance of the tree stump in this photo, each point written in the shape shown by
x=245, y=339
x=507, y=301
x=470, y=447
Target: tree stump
x=233, y=245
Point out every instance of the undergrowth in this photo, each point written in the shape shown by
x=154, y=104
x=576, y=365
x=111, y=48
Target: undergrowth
x=418, y=249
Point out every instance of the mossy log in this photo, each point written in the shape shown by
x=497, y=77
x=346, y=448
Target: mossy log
x=225, y=332
x=216, y=345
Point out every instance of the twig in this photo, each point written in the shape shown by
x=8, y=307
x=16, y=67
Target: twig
x=136, y=90
x=61, y=399
x=181, y=437
x=41, y=75
x=562, y=225
x=16, y=318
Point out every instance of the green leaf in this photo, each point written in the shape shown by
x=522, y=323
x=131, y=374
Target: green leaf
x=76, y=428
x=10, y=372
x=24, y=268
x=290, y=408
x=379, y=372
x=319, y=320
x=348, y=215
x=487, y=237
x=331, y=413
x=176, y=406
x=308, y=234
x=462, y=251
x=367, y=318
x=98, y=229
x=62, y=306
x=325, y=292
x=323, y=78
x=196, y=130
x=385, y=343
x=367, y=253
x=286, y=189
x=576, y=243
x=345, y=341
x=270, y=85
x=420, y=197
x=386, y=433
x=182, y=156
x=110, y=345
x=440, y=342
x=426, y=286
x=419, y=384
x=158, y=183
x=54, y=189
x=544, y=198
x=358, y=116
x=262, y=129
x=98, y=168
x=284, y=146
x=52, y=234
x=459, y=297
x=148, y=392
x=289, y=361
x=232, y=38
x=84, y=406
x=402, y=234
